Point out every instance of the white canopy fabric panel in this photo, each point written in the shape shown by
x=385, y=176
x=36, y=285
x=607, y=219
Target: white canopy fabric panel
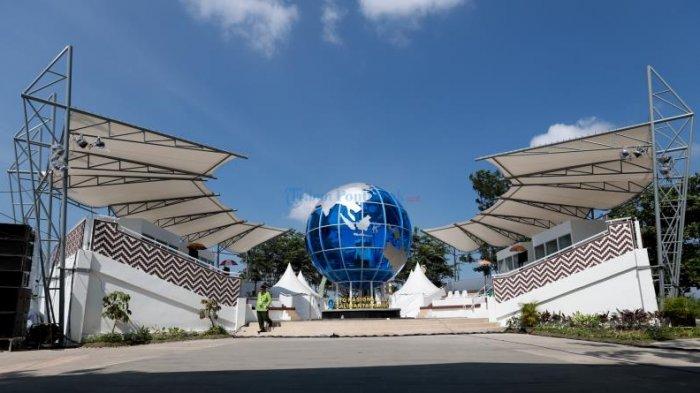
x=116, y=193
x=139, y=144
x=584, y=198
x=593, y=149
x=258, y=235
x=558, y=182
x=147, y=174
x=455, y=237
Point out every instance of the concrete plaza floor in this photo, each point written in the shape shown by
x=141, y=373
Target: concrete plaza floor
x=454, y=363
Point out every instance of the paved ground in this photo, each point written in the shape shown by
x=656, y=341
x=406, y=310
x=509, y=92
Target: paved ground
x=374, y=327
x=477, y=362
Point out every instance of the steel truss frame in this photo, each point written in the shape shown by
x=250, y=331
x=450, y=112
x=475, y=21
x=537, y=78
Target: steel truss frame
x=41, y=157
x=671, y=126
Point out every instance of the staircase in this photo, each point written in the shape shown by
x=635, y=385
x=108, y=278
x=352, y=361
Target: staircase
x=374, y=327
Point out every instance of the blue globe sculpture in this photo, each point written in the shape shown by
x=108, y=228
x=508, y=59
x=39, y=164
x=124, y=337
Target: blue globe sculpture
x=359, y=235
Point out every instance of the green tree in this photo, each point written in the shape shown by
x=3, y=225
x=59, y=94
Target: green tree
x=642, y=209
x=210, y=310
x=116, y=307
x=268, y=261
x=431, y=254
x=489, y=185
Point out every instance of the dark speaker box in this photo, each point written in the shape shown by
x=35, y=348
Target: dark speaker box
x=14, y=307
x=15, y=299
x=16, y=232
x=16, y=248
x=15, y=262
x=14, y=279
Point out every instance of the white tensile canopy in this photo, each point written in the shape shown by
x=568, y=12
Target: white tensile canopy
x=137, y=172
x=558, y=182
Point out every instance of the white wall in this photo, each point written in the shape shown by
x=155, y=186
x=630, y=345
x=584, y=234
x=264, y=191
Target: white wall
x=620, y=283
x=155, y=303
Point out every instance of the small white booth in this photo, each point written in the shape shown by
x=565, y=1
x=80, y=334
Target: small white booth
x=293, y=298
x=417, y=292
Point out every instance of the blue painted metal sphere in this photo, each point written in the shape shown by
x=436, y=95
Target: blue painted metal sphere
x=359, y=234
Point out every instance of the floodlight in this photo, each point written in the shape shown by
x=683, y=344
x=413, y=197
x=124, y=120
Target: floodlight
x=81, y=142
x=99, y=144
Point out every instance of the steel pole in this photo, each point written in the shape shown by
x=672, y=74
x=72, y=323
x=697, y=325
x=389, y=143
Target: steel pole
x=657, y=208
x=64, y=200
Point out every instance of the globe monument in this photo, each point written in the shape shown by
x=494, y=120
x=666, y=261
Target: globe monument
x=359, y=237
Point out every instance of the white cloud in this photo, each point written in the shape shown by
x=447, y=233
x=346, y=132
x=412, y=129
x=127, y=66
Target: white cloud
x=331, y=15
x=376, y=9
x=302, y=207
x=396, y=18
x=264, y=24
x=559, y=132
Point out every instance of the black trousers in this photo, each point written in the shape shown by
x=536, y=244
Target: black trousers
x=263, y=317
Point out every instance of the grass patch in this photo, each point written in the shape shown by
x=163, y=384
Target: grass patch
x=633, y=336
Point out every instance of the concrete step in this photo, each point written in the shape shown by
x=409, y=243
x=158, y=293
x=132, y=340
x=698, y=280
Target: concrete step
x=373, y=327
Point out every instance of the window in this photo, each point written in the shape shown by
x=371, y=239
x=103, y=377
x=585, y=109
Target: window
x=551, y=246
x=539, y=251
x=564, y=241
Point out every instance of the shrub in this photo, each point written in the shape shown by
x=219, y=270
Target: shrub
x=216, y=330
x=579, y=319
x=681, y=311
x=632, y=319
x=658, y=333
x=529, y=317
x=513, y=324
x=142, y=335
x=105, y=338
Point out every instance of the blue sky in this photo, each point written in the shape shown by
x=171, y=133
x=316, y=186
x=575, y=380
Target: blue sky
x=403, y=94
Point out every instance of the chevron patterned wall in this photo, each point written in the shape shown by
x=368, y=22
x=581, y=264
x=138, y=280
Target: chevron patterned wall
x=74, y=242
x=619, y=239
x=108, y=240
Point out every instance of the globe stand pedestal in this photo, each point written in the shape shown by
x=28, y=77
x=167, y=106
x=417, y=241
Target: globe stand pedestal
x=362, y=313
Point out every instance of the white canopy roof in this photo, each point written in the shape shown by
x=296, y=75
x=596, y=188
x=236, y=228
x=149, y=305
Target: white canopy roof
x=290, y=284
x=558, y=182
x=305, y=283
x=418, y=283
x=158, y=177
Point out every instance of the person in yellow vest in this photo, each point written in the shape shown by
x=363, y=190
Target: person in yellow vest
x=261, y=306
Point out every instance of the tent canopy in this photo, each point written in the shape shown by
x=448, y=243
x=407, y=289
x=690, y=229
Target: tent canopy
x=418, y=283
x=290, y=284
x=558, y=182
x=141, y=173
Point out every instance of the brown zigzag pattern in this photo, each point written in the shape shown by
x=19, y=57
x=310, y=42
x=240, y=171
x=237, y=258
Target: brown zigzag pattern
x=618, y=240
x=74, y=242
x=110, y=241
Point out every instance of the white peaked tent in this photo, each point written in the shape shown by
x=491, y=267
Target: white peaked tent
x=289, y=284
x=418, y=291
x=304, y=299
x=418, y=283
x=305, y=283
